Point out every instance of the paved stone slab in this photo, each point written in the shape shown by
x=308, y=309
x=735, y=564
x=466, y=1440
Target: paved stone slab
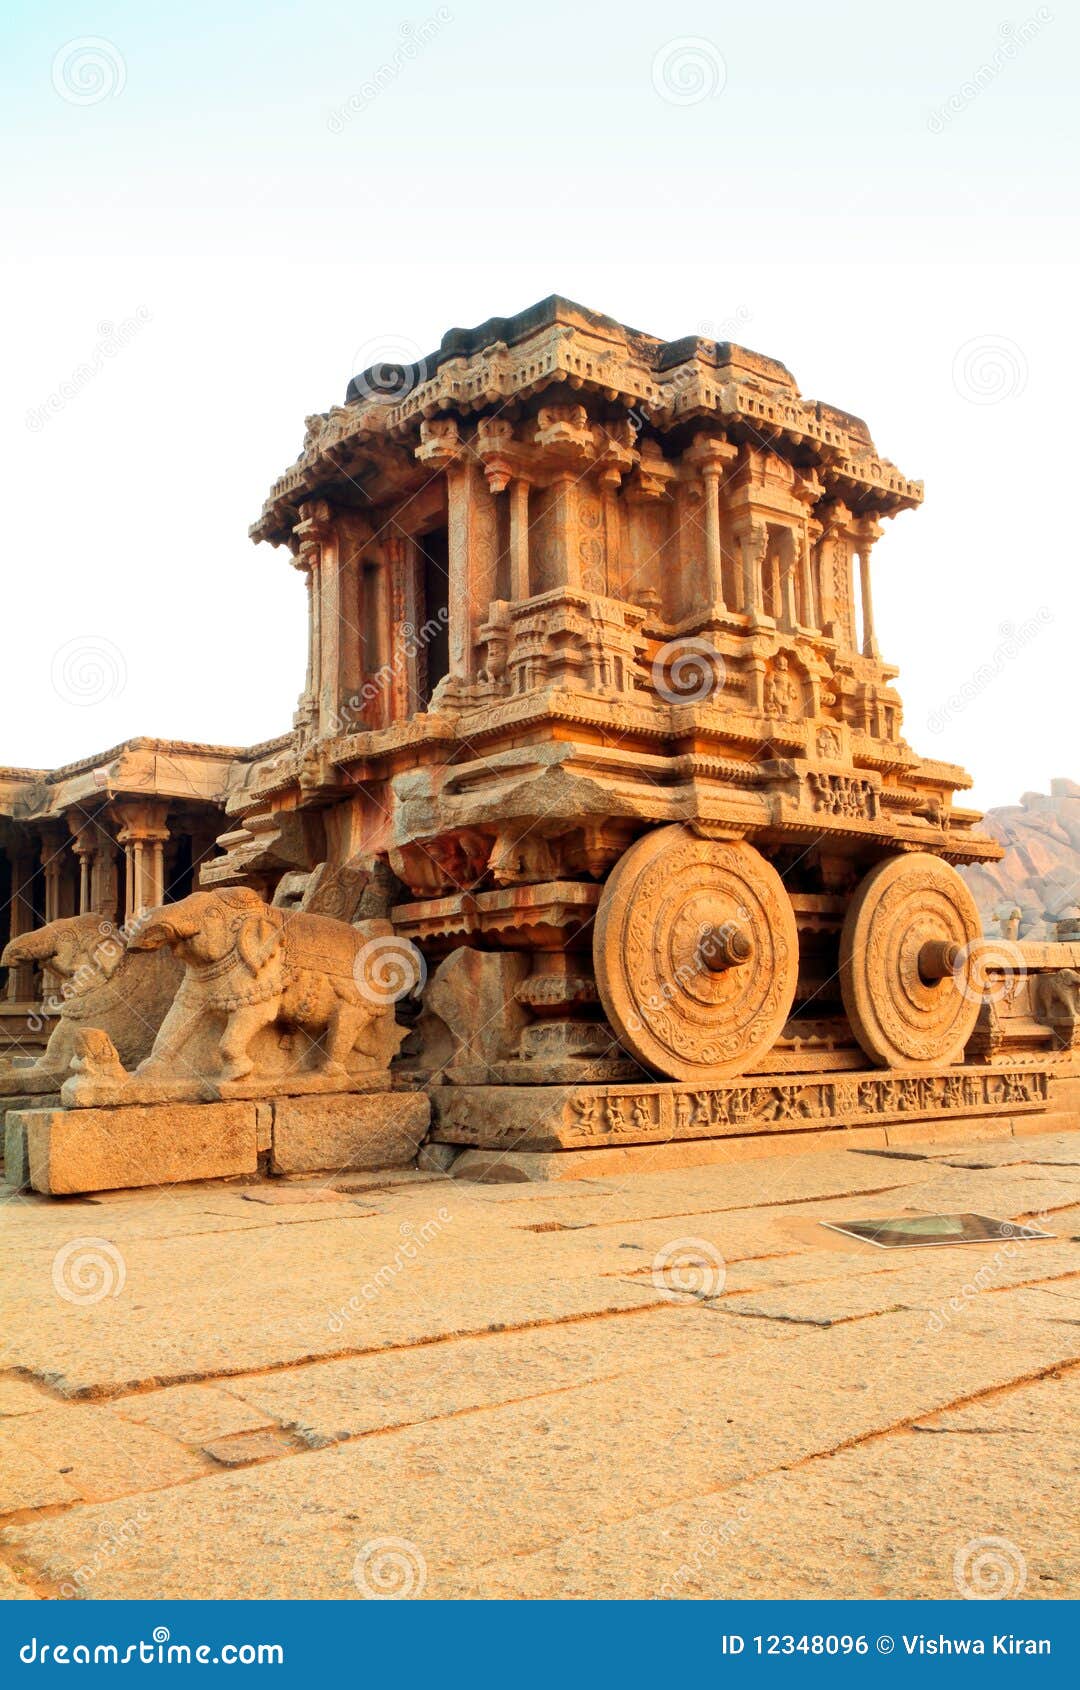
x=12, y=1588
x=888, y=1519
x=192, y=1414
x=519, y=1478
x=85, y=1451
x=331, y=1401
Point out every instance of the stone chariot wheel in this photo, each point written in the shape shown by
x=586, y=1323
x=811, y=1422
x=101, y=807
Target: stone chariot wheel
x=908, y=966
x=696, y=954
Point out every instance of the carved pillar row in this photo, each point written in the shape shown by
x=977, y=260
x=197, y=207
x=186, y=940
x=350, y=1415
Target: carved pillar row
x=20, y=981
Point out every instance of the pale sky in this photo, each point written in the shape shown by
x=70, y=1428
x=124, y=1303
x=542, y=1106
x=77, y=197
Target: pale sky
x=216, y=214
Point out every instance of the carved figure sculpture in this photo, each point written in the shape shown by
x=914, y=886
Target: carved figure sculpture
x=250, y=967
x=781, y=690
x=101, y=985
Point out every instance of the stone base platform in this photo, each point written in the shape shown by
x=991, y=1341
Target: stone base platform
x=559, y=1132
x=61, y=1152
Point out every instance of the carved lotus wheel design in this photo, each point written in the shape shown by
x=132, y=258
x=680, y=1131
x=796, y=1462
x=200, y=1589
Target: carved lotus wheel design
x=908, y=963
x=696, y=954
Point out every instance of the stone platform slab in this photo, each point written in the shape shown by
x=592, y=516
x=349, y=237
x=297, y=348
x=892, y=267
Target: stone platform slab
x=347, y=1133
x=551, y=1118
x=60, y=1152
x=78, y=1150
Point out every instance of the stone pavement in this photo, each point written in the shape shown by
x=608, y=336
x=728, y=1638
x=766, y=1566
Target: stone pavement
x=674, y=1384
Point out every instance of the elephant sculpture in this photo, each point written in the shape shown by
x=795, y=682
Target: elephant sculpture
x=270, y=992
x=1057, y=1002
x=101, y=985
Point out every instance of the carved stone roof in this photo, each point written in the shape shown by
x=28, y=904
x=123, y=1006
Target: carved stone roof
x=555, y=342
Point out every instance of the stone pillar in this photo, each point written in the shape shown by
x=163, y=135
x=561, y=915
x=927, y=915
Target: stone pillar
x=382, y=658
x=801, y=564
x=460, y=490
x=85, y=846
x=353, y=534
x=867, y=532
x=754, y=541
x=143, y=835
x=564, y=494
x=710, y=456
x=714, y=562
x=519, y=539
x=318, y=551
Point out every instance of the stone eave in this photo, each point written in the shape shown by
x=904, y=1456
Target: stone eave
x=753, y=397
x=136, y=768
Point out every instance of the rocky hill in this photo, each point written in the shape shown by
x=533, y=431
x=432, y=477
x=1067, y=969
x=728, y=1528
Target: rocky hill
x=1040, y=872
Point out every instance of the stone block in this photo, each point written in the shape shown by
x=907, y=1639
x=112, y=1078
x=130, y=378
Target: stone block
x=347, y=1131
x=73, y=1150
x=16, y=1155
